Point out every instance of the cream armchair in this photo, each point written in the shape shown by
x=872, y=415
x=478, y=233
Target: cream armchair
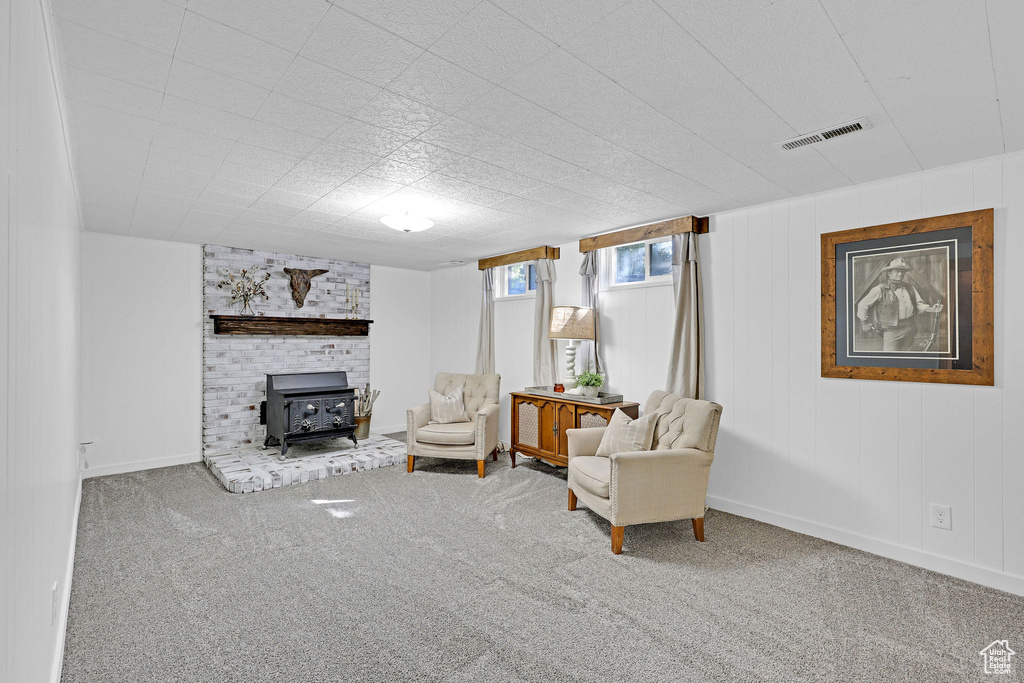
x=668, y=482
x=473, y=440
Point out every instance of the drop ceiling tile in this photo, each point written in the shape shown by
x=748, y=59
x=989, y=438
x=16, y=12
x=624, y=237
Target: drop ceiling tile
x=196, y=84
x=202, y=118
x=396, y=171
x=179, y=176
x=481, y=173
x=153, y=24
x=779, y=51
x=271, y=211
x=242, y=154
x=558, y=20
x=369, y=138
x=237, y=187
x=608, y=112
x=224, y=210
x=87, y=120
x=354, y=194
x=508, y=114
x=171, y=189
x=632, y=37
x=418, y=22
x=126, y=160
x=1006, y=24
x=459, y=136
x=672, y=187
x=154, y=200
x=491, y=43
x=559, y=80
x=93, y=88
x=919, y=73
x=169, y=135
x=439, y=84
x=328, y=152
x=181, y=158
x=461, y=190
x=324, y=87
x=298, y=116
x=799, y=171
x=394, y=112
x=223, y=198
x=248, y=173
x=870, y=155
x=424, y=155
x=704, y=18
x=356, y=47
x=515, y=156
x=229, y=52
x=563, y=199
x=292, y=182
x=278, y=139
x=285, y=23
x=100, y=53
x=708, y=100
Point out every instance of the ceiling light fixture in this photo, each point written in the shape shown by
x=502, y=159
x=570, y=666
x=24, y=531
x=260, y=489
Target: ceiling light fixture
x=406, y=222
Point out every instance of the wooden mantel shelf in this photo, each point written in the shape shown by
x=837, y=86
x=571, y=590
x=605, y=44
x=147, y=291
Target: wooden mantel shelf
x=259, y=324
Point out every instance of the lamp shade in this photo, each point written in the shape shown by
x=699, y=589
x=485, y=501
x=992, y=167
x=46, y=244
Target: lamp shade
x=571, y=322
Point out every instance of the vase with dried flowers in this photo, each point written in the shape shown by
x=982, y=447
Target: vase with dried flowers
x=245, y=286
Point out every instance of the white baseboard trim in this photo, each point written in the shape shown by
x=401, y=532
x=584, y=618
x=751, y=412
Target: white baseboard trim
x=388, y=430
x=918, y=558
x=139, y=465
x=57, y=669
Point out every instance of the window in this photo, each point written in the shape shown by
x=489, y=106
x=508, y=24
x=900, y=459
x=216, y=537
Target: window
x=647, y=262
x=518, y=279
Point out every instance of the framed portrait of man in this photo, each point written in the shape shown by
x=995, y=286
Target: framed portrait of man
x=910, y=301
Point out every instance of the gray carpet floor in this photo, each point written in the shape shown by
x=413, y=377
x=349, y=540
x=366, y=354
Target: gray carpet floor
x=441, y=576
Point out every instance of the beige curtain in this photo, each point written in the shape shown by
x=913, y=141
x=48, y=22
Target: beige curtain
x=485, y=340
x=544, y=371
x=686, y=364
x=588, y=357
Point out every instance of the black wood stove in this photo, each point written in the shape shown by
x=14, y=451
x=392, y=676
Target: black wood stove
x=309, y=406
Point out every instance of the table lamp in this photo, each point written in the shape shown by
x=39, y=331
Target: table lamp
x=572, y=323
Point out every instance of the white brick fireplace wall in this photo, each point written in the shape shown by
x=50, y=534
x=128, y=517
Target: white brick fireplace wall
x=235, y=366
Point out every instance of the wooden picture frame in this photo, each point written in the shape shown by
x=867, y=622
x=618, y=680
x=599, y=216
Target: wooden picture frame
x=910, y=301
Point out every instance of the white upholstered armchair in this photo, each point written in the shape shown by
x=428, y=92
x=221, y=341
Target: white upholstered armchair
x=473, y=440
x=668, y=482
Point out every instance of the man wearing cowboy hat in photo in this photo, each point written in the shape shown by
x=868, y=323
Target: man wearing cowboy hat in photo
x=889, y=308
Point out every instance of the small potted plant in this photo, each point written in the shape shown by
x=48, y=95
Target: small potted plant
x=590, y=383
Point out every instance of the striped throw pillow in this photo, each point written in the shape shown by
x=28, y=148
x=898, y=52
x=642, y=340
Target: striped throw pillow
x=624, y=434
x=450, y=408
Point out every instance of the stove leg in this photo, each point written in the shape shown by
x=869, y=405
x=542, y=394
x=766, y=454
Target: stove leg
x=353, y=437
x=266, y=441
x=284, y=447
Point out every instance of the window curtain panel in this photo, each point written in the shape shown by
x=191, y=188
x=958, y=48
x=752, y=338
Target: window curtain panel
x=588, y=356
x=485, y=340
x=544, y=371
x=686, y=364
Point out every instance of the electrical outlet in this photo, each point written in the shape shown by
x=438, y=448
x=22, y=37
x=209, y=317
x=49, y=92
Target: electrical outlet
x=53, y=605
x=942, y=516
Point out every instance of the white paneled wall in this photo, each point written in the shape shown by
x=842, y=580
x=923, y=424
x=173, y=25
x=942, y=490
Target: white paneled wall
x=861, y=461
x=854, y=461
x=142, y=325
x=40, y=246
x=400, y=343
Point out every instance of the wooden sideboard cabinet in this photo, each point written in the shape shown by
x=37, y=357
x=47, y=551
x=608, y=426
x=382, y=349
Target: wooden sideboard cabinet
x=539, y=423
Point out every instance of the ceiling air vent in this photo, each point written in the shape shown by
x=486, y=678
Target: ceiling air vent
x=826, y=134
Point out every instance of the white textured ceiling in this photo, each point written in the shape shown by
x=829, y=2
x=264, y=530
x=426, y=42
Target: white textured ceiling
x=294, y=125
